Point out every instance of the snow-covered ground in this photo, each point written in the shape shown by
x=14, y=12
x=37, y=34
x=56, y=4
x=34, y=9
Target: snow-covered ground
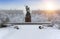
x=29, y=32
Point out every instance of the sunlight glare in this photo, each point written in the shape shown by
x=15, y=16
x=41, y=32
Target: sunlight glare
x=50, y=6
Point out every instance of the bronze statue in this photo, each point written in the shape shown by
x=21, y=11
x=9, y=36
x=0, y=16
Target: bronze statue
x=28, y=15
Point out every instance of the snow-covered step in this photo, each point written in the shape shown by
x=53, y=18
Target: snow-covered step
x=33, y=32
x=6, y=31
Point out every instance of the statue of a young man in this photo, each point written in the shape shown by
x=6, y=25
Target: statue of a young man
x=28, y=15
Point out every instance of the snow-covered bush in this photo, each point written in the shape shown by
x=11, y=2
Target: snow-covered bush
x=36, y=17
x=14, y=16
x=41, y=27
x=56, y=26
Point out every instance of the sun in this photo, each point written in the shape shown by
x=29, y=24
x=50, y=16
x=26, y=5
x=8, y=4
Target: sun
x=49, y=6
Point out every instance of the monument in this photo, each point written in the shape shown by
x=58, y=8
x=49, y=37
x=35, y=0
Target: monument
x=28, y=15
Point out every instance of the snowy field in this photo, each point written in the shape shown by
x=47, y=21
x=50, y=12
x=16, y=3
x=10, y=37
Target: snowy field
x=29, y=32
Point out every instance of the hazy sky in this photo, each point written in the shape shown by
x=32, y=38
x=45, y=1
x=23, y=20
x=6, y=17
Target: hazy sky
x=34, y=4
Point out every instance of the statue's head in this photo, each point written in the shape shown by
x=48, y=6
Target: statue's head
x=27, y=9
x=26, y=6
